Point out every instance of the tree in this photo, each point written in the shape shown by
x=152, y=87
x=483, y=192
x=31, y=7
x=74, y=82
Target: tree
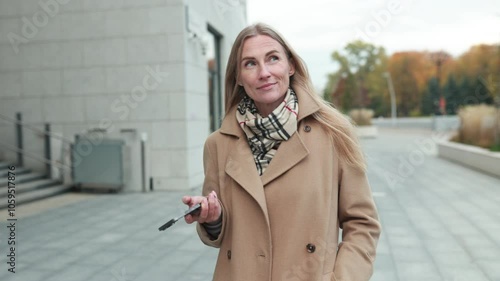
x=410, y=72
x=451, y=93
x=430, y=99
x=359, y=78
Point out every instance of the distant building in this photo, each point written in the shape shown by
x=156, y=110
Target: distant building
x=124, y=69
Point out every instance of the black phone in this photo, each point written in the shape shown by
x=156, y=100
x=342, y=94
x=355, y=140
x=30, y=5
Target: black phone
x=195, y=210
x=191, y=211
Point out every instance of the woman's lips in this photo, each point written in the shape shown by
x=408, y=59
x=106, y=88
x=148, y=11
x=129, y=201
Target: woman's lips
x=266, y=86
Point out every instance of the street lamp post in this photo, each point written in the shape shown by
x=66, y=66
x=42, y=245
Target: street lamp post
x=387, y=75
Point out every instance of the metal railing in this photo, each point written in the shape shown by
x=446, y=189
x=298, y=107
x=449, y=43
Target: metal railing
x=19, y=147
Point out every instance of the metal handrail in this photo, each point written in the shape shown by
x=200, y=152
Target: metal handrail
x=33, y=156
x=21, y=152
x=25, y=125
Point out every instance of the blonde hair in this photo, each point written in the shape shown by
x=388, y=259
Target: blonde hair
x=338, y=127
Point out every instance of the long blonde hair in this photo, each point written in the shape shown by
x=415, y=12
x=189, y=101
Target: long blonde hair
x=338, y=127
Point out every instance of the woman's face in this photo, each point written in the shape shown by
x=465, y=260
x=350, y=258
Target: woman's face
x=265, y=72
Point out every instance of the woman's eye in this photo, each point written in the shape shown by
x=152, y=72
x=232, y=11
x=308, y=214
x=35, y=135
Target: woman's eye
x=249, y=63
x=273, y=58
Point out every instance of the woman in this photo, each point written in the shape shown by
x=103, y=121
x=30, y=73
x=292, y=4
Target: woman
x=282, y=175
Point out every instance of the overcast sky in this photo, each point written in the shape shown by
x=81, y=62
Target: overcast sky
x=315, y=28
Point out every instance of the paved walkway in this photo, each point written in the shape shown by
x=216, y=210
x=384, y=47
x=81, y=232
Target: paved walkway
x=441, y=222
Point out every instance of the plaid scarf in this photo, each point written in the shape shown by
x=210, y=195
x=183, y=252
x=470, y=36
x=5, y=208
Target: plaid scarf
x=264, y=134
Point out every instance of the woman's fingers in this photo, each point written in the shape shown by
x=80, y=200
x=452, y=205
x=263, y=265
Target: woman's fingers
x=210, y=208
x=191, y=201
x=215, y=208
x=186, y=200
x=202, y=217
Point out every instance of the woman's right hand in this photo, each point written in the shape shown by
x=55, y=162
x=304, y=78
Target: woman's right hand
x=210, y=208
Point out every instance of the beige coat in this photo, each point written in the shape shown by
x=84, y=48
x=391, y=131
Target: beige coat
x=284, y=225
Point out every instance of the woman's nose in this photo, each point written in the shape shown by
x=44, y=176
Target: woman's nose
x=264, y=72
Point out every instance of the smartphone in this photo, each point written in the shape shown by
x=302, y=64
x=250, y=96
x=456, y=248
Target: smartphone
x=191, y=211
x=195, y=210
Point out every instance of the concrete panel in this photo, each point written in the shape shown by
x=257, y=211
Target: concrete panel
x=144, y=3
x=197, y=132
x=61, y=110
x=50, y=31
x=168, y=183
x=104, y=108
x=196, y=180
x=170, y=77
x=9, y=7
x=169, y=135
x=166, y=19
x=149, y=49
x=104, y=52
x=9, y=25
x=169, y=163
x=177, y=106
x=125, y=78
x=83, y=26
x=9, y=58
x=31, y=56
x=195, y=161
x=127, y=22
x=30, y=109
x=83, y=81
x=176, y=47
x=152, y=107
x=74, y=26
x=71, y=6
x=197, y=107
x=200, y=74
x=50, y=55
x=11, y=84
x=175, y=2
x=41, y=83
x=97, y=5
x=71, y=54
x=29, y=7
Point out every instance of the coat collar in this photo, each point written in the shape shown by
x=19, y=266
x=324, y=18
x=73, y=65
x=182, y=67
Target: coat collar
x=241, y=166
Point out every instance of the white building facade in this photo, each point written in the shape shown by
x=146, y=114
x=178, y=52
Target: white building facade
x=149, y=70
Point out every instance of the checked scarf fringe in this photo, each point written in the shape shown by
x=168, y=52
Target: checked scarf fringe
x=264, y=134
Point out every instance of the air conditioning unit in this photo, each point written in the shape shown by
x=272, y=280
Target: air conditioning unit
x=98, y=163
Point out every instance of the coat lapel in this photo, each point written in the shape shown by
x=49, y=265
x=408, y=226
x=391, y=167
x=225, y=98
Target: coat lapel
x=288, y=155
x=241, y=167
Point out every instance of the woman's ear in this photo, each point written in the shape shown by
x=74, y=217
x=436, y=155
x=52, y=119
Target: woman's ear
x=291, y=63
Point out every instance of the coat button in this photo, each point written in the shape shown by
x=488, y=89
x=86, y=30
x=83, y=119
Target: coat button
x=229, y=254
x=311, y=248
x=307, y=128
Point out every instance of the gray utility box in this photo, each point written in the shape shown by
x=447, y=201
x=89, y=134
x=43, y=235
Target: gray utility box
x=98, y=163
